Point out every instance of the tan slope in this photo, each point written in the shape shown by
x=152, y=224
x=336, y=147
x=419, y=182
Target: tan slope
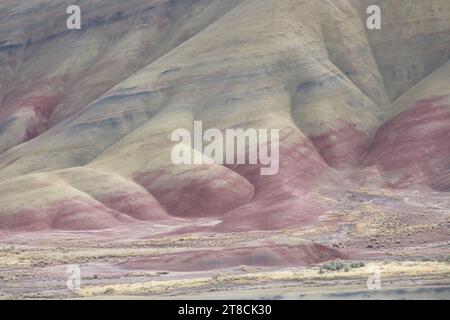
x=305, y=67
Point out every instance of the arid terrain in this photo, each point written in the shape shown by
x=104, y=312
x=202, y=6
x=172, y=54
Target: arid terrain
x=405, y=237
x=360, y=205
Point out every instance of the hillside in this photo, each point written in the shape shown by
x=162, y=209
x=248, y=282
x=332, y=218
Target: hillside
x=88, y=180
x=86, y=116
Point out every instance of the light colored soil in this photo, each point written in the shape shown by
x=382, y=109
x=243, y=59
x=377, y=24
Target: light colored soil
x=406, y=237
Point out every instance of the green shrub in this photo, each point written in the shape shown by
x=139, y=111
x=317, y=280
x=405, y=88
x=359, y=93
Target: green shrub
x=333, y=266
x=356, y=265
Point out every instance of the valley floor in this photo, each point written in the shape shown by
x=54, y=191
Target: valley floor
x=404, y=238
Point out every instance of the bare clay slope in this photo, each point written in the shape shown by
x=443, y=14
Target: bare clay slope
x=86, y=117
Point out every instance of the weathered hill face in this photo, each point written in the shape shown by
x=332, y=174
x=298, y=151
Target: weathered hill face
x=413, y=146
x=86, y=117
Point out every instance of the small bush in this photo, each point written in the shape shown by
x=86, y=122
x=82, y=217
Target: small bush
x=356, y=265
x=244, y=268
x=215, y=277
x=109, y=291
x=333, y=266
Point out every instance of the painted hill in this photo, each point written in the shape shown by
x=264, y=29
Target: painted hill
x=86, y=116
